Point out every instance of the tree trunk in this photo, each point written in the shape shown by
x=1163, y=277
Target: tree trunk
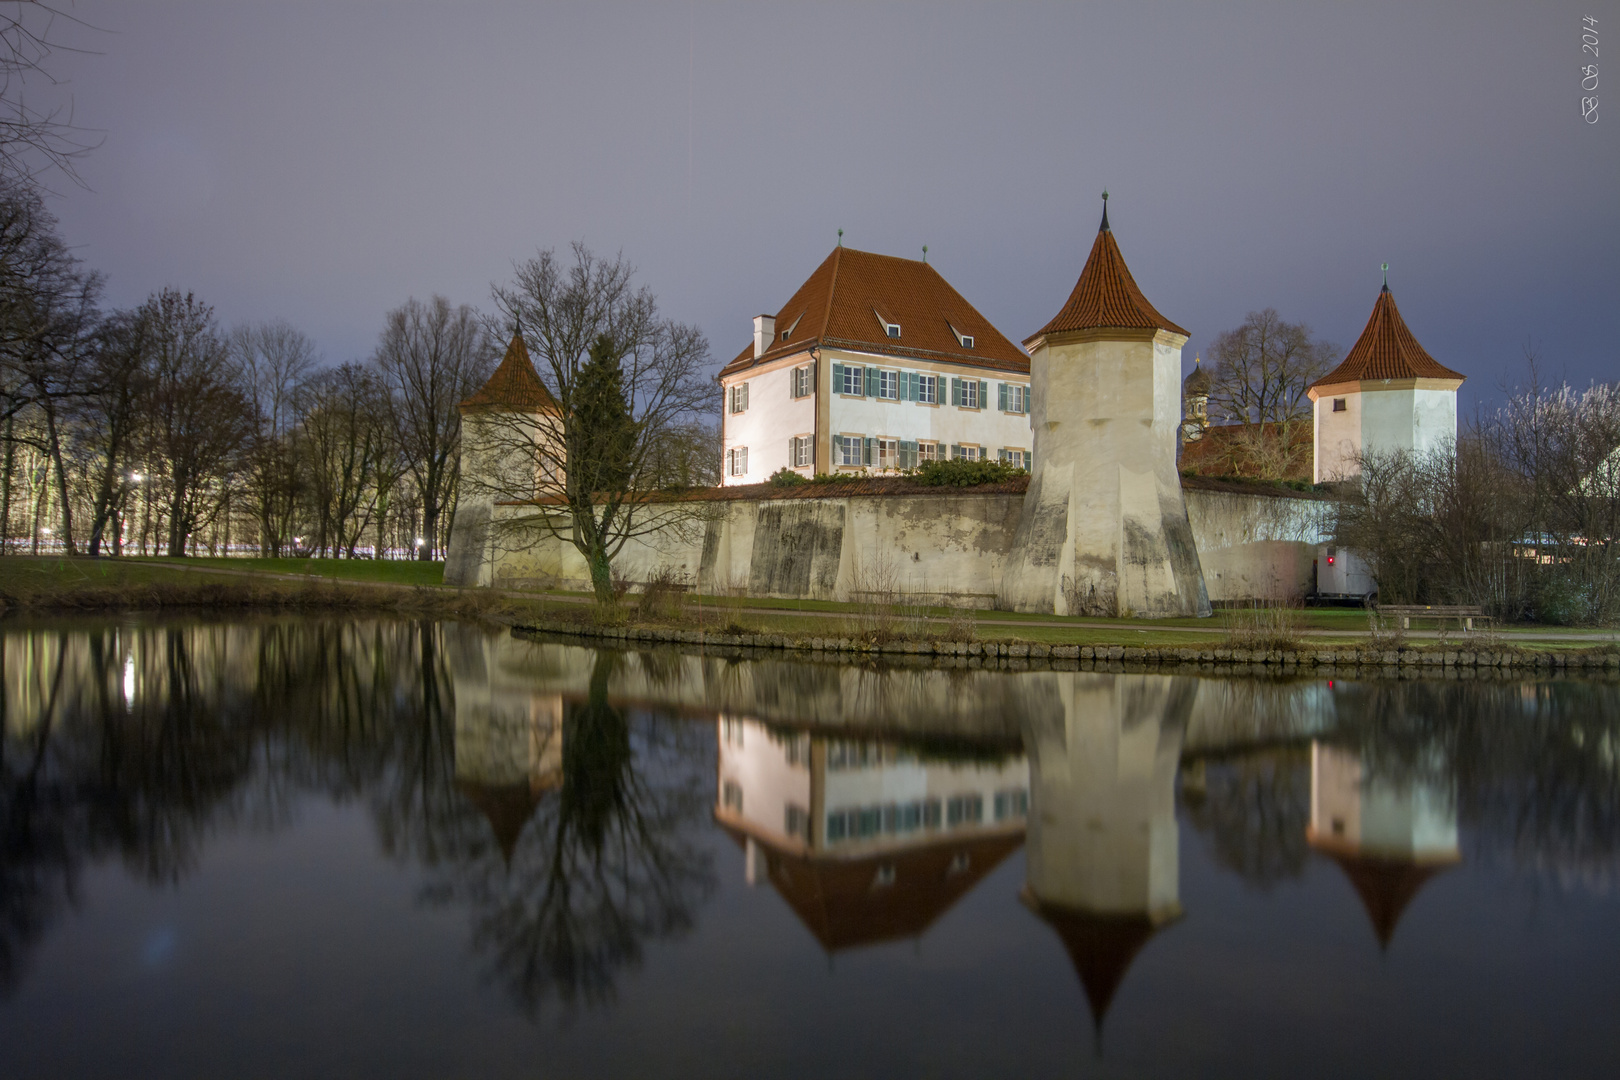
x=61, y=482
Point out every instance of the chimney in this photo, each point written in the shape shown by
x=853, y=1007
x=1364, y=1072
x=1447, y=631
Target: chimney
x=764, y=334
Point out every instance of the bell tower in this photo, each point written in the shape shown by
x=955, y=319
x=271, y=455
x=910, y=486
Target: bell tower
x=1104, y=529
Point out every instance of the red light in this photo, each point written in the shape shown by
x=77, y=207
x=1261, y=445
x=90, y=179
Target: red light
x=1330, y=560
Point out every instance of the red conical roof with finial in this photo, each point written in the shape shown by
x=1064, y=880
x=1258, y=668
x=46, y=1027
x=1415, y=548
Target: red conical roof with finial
x=515, y=384
x=1106, y=296
x=1386, y=349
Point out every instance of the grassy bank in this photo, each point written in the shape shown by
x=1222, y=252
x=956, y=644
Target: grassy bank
x=131, y=584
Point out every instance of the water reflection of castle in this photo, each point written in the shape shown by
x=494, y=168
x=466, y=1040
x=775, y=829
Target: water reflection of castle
x=865, y=841
x=1390, y=835
x=508, y=740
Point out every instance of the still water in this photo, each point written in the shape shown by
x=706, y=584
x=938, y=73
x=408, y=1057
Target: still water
x=381, y=848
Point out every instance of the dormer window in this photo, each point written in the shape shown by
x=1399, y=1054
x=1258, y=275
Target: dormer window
x=890, y=329
x=964, y=340
x=792, y=326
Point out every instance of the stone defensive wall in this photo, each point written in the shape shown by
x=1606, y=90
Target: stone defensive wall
x=883, y=538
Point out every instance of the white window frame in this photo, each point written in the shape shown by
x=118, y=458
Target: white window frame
x=739, y=398
x=927, y=450
x=888, y=385
x=856, y=374
x=887, y=452
x=802, y=451
x=1018, y=399
x=804, y=382
x=928, y=389
x=844, y=444
x=967, y=452
x=738, y=463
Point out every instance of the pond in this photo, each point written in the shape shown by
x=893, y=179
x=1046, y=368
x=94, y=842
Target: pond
x=292, y=847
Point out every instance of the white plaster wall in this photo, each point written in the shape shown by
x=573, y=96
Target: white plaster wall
x=1338, y=437
x=1434, y=419
x=773, y=417
x=1256, y=546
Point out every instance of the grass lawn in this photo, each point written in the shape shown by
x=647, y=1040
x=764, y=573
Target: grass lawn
x=394, y=572
x=21, y=574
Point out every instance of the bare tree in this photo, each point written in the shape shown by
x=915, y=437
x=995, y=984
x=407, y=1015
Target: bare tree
x=47, y=316
x=432, y=356
x=346, y=447
x=275, y=361
x=625, y=385
x=199, y=421
x=34, y=139
x=1260, y=373
x=110, y=416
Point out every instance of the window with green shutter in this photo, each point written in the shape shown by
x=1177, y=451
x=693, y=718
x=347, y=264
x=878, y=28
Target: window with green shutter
x=838, y=378
x=984, y=395
x=908, y=454
x=868, y=458
x=956, y=390
x=1001, y=396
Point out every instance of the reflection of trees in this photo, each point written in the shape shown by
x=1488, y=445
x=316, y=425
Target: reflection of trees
x=607, y=862
x=1536, y=765
x=1254, y=808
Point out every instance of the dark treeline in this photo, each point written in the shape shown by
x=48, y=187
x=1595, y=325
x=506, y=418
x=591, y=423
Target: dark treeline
x=1522, y=516
x=156, y=431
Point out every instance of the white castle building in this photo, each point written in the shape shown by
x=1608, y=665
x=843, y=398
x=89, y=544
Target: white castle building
x=874, y=364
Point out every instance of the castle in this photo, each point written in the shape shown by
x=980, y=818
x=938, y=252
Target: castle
x=876, y=365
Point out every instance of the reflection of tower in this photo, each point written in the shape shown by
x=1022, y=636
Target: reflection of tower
x=508, y=736
x=1102, y=842
x=1389, y=836
x=866, y=841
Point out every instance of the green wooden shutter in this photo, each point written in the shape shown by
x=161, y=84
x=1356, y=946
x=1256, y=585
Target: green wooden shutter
x=838, y=379
x=869, y=441
x=984, y=394
x=1001, y=396
x=956, y=390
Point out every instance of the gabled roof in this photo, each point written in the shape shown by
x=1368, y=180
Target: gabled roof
x=846, y=302
x=515, y=384
x=1106, y=297
x=1386, y=349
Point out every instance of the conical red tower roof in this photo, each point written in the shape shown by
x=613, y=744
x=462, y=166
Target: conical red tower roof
x=515, y=384
x=1386, y=349
x=1106, y=296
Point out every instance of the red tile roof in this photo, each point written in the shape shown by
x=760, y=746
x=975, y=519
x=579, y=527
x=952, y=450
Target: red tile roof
x=1386, y=349
x=515, y=384
x=835, y=898
x=1106, y=297
x=839, y=306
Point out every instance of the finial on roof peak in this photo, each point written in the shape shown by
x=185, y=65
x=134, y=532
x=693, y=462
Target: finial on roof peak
x=925, y=253
x=1386, y=278
x=1104, y=226
x=840, y=237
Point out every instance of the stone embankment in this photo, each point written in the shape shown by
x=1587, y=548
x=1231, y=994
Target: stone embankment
x=1019, y=655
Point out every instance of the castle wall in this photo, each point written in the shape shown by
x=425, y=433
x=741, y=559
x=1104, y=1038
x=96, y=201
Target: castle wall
x=945, y=547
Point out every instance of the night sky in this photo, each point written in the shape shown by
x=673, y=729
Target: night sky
x=321, y=163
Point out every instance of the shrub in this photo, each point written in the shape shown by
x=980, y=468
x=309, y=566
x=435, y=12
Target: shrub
x=786, y=477
x=960, y=472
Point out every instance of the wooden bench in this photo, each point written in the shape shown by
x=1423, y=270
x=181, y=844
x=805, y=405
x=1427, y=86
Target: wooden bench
x=1465, y=614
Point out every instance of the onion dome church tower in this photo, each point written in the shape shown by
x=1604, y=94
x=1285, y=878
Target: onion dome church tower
x=1195, y=390
x=1104, y=528
x=1388, y=394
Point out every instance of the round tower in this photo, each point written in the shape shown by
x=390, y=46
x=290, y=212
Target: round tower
x=1104, y=526
x=1388, y=394
x=508, y=431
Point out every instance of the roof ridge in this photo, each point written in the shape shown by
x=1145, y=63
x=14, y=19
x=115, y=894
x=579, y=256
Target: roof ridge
x=832, y=288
